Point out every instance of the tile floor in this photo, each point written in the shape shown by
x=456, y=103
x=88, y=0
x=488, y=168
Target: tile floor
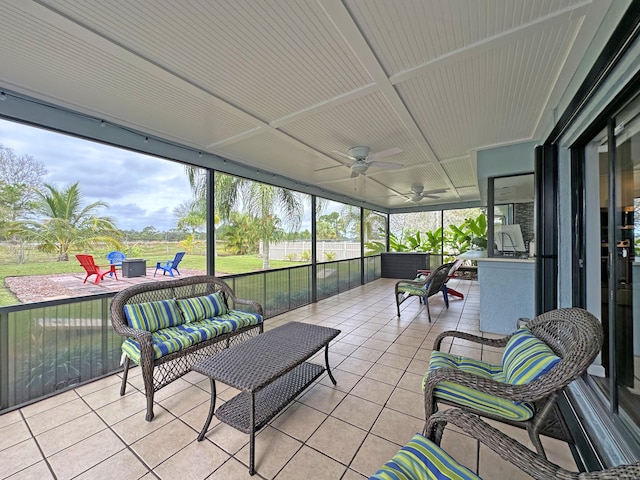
x=343, y=432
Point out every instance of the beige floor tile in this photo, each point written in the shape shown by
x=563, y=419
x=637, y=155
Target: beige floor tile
x=374, y=453
x=19, y=457
x=58, y=415
x=322, y=398
x=385, y=374
x=356, y=366
x=48, y=404
x=232, y=469
x=353, y=475
x=131, y=404
x=365, y=353
x=10, y=418
x=133, y=428
x=154, y=448
x=492, y=466
x=340, y=446
x=412, y=382
x=307, y=463
x=226, y=437
x=395, y=361
x=70, y=433
x=373, y=390
x=408, y=402
x=84, y=455
x=123, y=464
x=13, y=433
x=196, y=461
x=38, y=471
x=397, y=427
x=273, y=449
x=358, y=411
x=345, y=380
x=462, y=448
x=299, y=421
x=186, y=400
x=381, y=345
x=402, y=350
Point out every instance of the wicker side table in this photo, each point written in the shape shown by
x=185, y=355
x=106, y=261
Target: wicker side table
x=270, y=370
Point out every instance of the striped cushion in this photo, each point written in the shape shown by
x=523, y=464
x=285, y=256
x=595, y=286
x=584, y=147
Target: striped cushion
x=153, y=316
x=412, y=289
x=165, y=341
x=235, y=319
x=421, y=459
x=465, y=396
x=526, y=357
x=170, y=340
x=200, y=308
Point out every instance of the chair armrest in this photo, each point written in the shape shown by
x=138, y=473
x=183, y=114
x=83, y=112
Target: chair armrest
x=510, y=450
x=252, y=303
x=492, y=342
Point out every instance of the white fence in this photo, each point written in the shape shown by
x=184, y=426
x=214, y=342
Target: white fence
x=301, y=250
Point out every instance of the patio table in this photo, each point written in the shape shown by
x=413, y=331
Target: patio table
x=270, y=370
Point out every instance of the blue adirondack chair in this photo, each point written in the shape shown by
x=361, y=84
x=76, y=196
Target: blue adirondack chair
x=115, y=258
x=170, y=266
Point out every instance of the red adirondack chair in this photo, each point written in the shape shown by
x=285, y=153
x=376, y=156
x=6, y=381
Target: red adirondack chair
x=91, y=268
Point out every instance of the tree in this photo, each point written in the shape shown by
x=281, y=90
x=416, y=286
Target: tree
x=331, y=226
x=21, y=177
x=65, y=224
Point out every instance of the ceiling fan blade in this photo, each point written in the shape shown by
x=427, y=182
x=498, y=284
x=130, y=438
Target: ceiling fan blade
x=426, y=195
x=384, y=153
x=387, y=165
x=431, y=192
x=328, y=168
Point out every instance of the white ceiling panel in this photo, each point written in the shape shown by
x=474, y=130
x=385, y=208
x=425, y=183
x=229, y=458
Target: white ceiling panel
x=282, y=85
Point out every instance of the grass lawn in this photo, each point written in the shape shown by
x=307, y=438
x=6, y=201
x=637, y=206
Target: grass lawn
x=153, y=254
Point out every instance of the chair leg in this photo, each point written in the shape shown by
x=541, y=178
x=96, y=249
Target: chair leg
x=125, y=374
x=445, y=294
x=535, y=439
x=428, y=311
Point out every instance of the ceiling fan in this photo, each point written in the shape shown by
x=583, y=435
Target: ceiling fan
x=418, y=193
x=362, y=160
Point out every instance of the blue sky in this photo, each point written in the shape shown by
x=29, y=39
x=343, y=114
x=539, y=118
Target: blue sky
x=140, y=190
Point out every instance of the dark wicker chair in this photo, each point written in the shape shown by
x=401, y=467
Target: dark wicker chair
x=157, y=373
x=572, y=334
x=515, y=453
x=424, y=287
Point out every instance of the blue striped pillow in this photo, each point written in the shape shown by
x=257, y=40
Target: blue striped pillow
x=526, y=357
x=153, y=316
x=422, y=459
x=196, y=309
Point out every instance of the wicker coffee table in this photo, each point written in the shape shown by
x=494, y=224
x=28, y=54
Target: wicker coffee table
x=270, y=370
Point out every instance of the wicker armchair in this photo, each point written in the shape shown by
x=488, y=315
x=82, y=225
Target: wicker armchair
x=516, y=453
x=572, y=334
x=424, y=287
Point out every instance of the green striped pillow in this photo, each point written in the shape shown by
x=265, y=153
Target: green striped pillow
x=526, y=357
x=196, y=309
x=153, y=316
x=421, y=459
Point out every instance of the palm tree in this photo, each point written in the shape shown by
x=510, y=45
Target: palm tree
x=258, y=199
x=67, y=225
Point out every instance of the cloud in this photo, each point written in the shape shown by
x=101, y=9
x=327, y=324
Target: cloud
x=140, y=190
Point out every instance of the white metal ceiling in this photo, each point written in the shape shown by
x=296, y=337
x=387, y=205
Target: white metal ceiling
x=284, y=84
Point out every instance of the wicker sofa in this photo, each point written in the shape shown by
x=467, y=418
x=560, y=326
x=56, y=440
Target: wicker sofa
x=170, y=325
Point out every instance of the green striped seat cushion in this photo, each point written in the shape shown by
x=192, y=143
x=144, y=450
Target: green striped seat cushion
x=165, y=341
x=465, y=396
x=200, y=308
x=526, y=357
x=153, y=316
x=418, y=290
x=173, y=339
x=421, y=459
